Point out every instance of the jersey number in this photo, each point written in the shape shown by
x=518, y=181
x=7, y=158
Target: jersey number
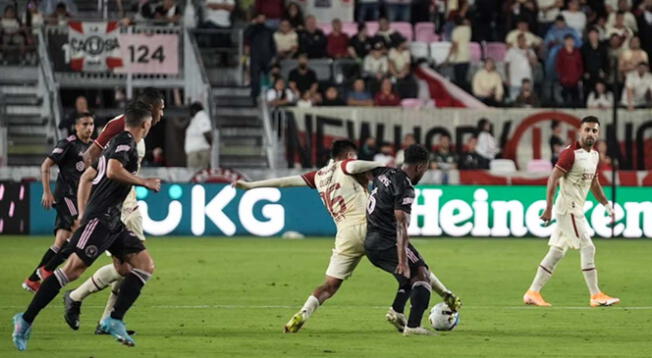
x=331, y=203
x=371, y=205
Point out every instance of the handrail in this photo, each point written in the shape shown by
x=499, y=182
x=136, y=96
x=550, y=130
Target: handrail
x=3, y=131
x=46, y=75
x=271, y=143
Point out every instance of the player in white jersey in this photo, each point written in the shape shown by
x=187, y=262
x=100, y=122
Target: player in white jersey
x=342, y=185
x=575, y=172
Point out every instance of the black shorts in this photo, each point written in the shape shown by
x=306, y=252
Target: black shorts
x=94, y=237
x=387, y=260
x=66, y=214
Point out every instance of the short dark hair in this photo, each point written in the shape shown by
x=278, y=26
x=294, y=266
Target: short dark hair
x=416, y=154
x=136, y=113
x=342, y=146
x=196, y=107
x=569, y=36
x=150, y=96
x=590, y=119
x=83, y=115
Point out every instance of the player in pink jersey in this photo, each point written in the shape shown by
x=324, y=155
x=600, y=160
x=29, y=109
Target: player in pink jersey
x=575, y=172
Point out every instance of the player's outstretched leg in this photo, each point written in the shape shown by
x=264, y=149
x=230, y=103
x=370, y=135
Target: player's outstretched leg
x=544, y=272
x=587, y=258
x=61, y=256
x=32, y=283
x=419, y=300
x=395, y=315
x=452, y=300
x=110, y=303
x=318, y=297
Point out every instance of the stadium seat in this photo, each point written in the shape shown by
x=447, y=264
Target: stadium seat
x=496, y=50
x=476, y=52
x=287, y=66
x=350, y=28
x=539, y=166
x=345, y=69
x=372, y=27
x=419, y=50
x=322, y=68
x=439, y=51
x=502, y=166
x=425, y=32
x=326, y=27
x=404, y=28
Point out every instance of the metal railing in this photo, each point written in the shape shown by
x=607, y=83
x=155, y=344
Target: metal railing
x=52, y=107
x=3, y=131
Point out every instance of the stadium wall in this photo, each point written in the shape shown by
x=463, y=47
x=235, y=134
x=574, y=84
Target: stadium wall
x=219, y=210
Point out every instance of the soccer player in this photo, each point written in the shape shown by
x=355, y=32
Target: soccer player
x=387, y=244
x=575, y=172
x=101, y=229
x=67, y=155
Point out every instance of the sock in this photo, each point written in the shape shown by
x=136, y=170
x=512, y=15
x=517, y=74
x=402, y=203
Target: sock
x=48, y=291
x=100, y=280
x=129, y=292
x=546, y=268
x=49, y=254
x=402, y=295
x=587, y=257
x=113, y=297
x=59, y=258
x=419, y=299
x=312, y=303
x=437, y=286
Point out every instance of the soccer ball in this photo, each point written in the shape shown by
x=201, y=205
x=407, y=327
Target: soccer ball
x=442, y=318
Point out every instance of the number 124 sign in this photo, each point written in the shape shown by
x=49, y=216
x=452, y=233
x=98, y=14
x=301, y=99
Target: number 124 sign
x=157, y=53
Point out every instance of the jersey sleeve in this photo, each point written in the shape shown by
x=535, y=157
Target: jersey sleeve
x=566, y=160
x=403, y=195
x=60, y=150
x=122, y=150
x=309, y=178
x=113, y=128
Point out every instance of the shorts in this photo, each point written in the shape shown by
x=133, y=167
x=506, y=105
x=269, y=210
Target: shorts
x=349, y=249
x=131, y=216
x=387, y=260
x=571, y=232
x=94, y=237
x=66, y=214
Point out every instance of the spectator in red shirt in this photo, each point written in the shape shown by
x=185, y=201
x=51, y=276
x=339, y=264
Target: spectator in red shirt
x=338, y=42
x=387, y=96
x=273, y=10
x=569, y=68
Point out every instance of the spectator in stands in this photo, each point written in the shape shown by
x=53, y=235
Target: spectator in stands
x=553, y=42
x=168, y=12
x=359, y=96
x=33, y=16
x=10, y=29
x=259, y=45
x=332, y=97
x=526, y=10
x=273, y=10
x=286, y=40
x=570, y=70
x=217, y=15
x=470, y=160
x=522, y=28
x=368, y=10
x=574, y=16
x=629, y=20
x=644, y=21
x=600, y=98
x=595, y=60
x=338, y=42
x=486, y=148
x=556, y=142
x=399, y=61
x=519, y=61
x=199, y=137
x=488, y=85
x=631, y=57
x=548, y=13
x=60, y=16
x=294, y=15
x=68, y=122
x=527, y=98
x=386, y=155
x=636, y=93
x=460, y=54
x=360, y=44
x=619, y=28
x=144, y=12
x=279, y=95
x=368, y=150
x=408, y=140
x=444, y=158
x=312, y=40
x=386, y=34
x=376, y=65
x=303, y=81
x=49, y=7
x=398, y=10
x=387, y=96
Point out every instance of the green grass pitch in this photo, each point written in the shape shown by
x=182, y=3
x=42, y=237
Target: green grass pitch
x=216, y=297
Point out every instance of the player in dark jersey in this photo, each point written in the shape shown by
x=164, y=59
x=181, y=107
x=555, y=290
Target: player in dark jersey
x=67, y=155
x=387, y=244
x=101, y=229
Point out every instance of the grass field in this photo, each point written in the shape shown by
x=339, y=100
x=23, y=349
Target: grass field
x=231, y=297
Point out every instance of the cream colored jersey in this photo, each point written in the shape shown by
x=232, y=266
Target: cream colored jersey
x=579, y=167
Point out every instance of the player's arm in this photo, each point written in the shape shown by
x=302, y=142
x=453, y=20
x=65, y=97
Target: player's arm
x=598, y=193
x=116, y=171
x=112, y=128
x=402, y=240
x=359, y=166
x=91, y=154
x=307, y=179
x=48, y=199
x=84, y=189
x=551, y=187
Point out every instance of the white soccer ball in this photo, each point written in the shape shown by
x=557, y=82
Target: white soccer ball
x=442, y=318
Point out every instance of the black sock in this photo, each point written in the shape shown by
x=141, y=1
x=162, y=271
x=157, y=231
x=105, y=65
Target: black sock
x=59, y=258
x=129, y=292
x=48, y=291
x=401, y=298
x=46, y=257
x=419, y=299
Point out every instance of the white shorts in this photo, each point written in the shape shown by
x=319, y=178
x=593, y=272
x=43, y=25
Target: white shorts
x=349, y=249
x=131, y=215
x=571, y=232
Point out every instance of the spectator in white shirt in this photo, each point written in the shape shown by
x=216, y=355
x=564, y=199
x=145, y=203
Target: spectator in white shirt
x=280, y=94
x=286, y=39
x=218, y=16
x=198, y=139
x=600, y=98
x=399, y=61
x=522, y=27
x=488, y=85
x=486, y=148
x=574, y=16
x=519, y=62
x=636, y=93
x=375, y=63
x=460, y=52
x=629, y=18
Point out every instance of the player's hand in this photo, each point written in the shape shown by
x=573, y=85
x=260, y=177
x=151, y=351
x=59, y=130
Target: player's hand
x=612, y=213
x=403, y=269
x=240, y=184
x=75, y=225
x=47, y=200
x=546, y=216
x=153, y=184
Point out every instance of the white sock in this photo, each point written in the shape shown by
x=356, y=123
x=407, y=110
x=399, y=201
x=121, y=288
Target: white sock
x=101, y=279
x=113, y=297
x=546, y=268
x=312, y=303
x=437, y=286
x=587, y=258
